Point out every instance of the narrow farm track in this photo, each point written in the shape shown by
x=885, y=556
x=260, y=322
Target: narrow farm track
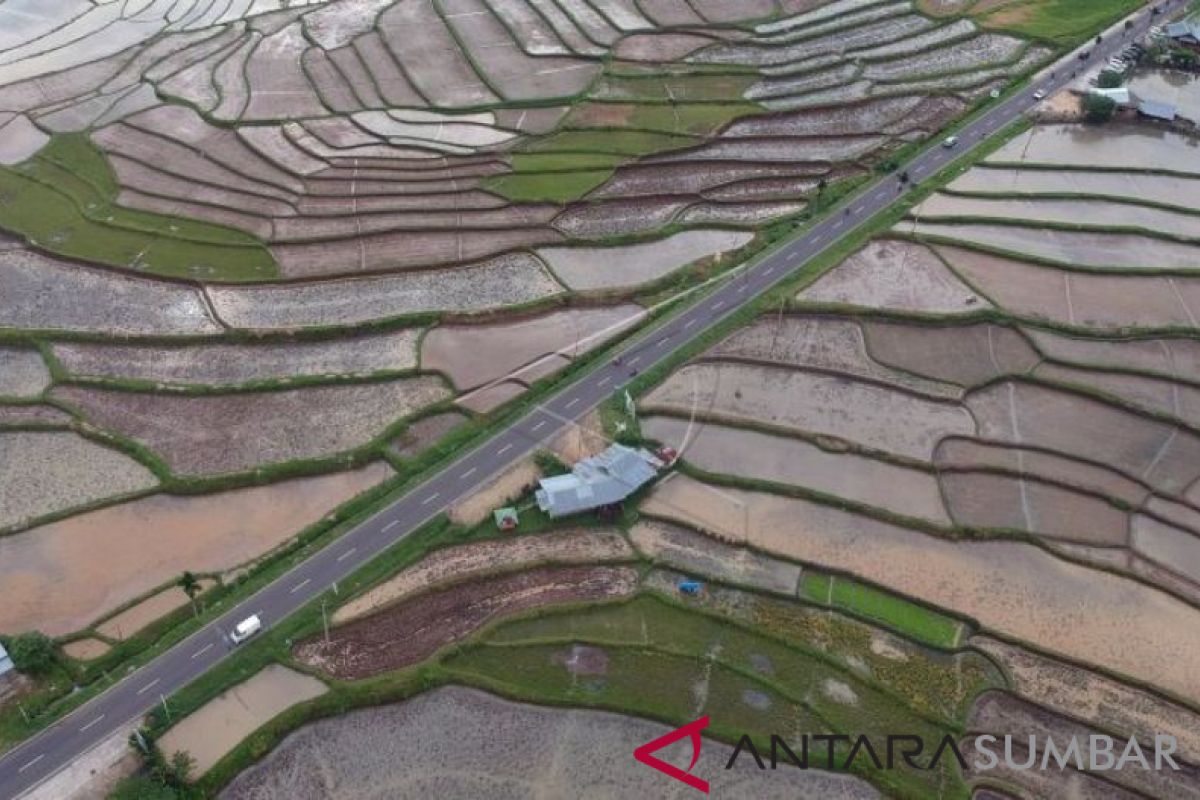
x=50, y=751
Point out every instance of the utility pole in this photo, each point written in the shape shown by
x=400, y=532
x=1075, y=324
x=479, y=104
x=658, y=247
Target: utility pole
x=166, y=710
x=325, y=620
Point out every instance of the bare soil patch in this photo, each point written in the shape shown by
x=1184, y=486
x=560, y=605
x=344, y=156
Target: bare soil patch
x=23, y=373
x=1096, y=478
x=86, y=649
x=1089, y=300
x=814, y=403
x=687, y=551
x=38, y=292
x=407, y=633
x=761, y=456
x=215, y=728
x=473, y=355
x=1098, y=699
x=230, y=364
x=967, y=355
x=1138, y=147
x=507, y=750
x=466, y=562
x=1082, y=613
x=54, y=585
x=495, y=492
x=1121, y=251
x=426, y=431
x=895, y=275
x=982, y=500
x=832, y=343
x=133, y=619
x=51, y=472
x=506, y=280
x=207, y=434
x=593, y=268
x=1156, y=452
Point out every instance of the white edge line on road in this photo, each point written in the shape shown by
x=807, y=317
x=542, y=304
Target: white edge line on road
x=31, y=762
x=148, y=686
x=430, y=499
x=202, y=650
x=90, y=724
x=391, y=525
x=507, y=447
x=347, y=554
x=300, y=585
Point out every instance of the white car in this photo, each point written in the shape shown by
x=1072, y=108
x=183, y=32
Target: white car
x=950, y=141
x=1040, y=94
x=245, y=629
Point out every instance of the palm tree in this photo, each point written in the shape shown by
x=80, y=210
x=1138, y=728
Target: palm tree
x=191, y=587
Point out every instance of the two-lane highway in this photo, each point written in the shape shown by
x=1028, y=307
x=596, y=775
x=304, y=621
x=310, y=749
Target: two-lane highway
x=41, y=756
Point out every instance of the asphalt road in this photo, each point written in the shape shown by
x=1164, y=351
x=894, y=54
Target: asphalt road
x=54, y=748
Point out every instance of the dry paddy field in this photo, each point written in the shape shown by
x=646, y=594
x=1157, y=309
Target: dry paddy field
x=508, y=750
x=55, y=585
x=243, y=237
x=1006, y=427
x=1091, y=616
x=215, y=728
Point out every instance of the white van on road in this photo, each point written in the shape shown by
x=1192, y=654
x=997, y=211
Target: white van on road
x=245, y=629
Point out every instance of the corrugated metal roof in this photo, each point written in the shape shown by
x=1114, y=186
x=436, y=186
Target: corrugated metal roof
x=601, y=480
x=1157, y=110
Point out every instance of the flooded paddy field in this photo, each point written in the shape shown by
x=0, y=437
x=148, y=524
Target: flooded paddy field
x=59, y=586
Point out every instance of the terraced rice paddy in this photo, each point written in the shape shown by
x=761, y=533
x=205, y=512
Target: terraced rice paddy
x=512, y=747
x=245, y=235
x=135, y=547
x=1048, y=294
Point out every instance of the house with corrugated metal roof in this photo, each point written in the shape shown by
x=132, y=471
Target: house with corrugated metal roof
x=1186, y=32
x=1156, y=110
x=6, y=663
x=604, y=479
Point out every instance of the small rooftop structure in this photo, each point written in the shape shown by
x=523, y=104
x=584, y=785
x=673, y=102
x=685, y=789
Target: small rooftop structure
x=1186, y=32
x=6, y=663
x=506, y=519
x=1157, y=110
x=1120, y=95
x=601, y=480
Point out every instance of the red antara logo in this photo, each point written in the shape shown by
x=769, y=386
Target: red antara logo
x=691, y=731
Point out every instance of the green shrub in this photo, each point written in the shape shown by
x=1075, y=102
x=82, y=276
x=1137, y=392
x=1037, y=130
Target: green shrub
x=33, y=652
x=1098, y=108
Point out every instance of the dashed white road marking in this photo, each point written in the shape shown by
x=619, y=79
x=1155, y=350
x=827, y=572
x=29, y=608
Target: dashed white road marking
x=605, y=381
x=300, y=585
x=202, y=650
x=468, y=473
x=539, y=425
x=391, y=525
x=430, y=499
x=572, y=402
x=148, y=686
x=689, y=324
x=504, y=449
x=30, y=762
x=91, y=724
